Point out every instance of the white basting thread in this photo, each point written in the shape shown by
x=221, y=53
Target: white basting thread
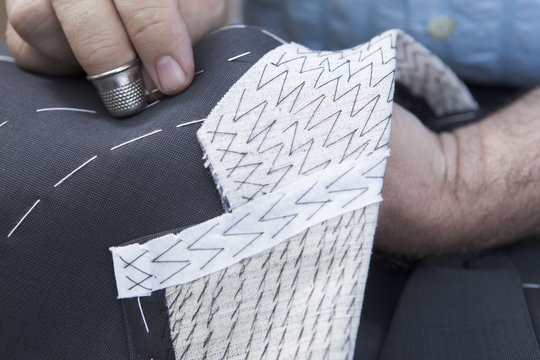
x=530, y=286
x=4, y=123
x=234, y=26
x=151, y=104
x=7, y=59
x=189, y=123
x=74, y=171
x=239, y=56
x=142, y=315
x=66, y=109
x=199, y=72
x=137, y=138
x=24, y=217
x=273, y=36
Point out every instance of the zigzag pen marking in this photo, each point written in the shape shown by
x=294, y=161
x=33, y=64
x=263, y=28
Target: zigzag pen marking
x=291, y=217
x=218, y=250
x=138, y=284
x=322, y=202
x=227, y=233
x=185, y=263
x=130, y=263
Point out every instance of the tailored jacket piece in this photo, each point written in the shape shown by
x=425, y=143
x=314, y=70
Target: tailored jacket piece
x=58, y=294
x=295, y=114
x=79, y=183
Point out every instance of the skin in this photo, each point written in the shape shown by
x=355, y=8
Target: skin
x=470, y=189
x=61, y=37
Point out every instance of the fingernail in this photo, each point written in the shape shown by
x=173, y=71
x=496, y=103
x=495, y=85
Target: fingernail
x=170, y=74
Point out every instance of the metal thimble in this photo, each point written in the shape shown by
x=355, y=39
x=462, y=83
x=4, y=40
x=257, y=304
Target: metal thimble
x=121, y=89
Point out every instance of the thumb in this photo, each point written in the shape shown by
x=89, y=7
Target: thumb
x=161, y=39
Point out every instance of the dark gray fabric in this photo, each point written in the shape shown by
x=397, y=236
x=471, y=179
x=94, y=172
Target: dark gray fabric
x=57, y=290
x=526, y=259
x=149, y=338
x=463, y=310
x=386, y=279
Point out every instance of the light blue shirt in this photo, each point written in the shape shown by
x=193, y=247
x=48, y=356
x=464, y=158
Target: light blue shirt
x=484, y=41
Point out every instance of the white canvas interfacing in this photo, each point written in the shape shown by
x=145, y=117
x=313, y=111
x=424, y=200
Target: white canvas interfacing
x=296, y=114
x=260, y=224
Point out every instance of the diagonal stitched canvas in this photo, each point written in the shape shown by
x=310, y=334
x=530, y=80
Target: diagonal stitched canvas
x=294, y=114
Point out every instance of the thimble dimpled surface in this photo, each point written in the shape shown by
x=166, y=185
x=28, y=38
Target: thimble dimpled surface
x=122, y=92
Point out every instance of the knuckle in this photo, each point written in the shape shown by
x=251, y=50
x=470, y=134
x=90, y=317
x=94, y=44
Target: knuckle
x=93, y=50
x=144, y=23
x=25, y=16
x=12, y=44
x=15, y=46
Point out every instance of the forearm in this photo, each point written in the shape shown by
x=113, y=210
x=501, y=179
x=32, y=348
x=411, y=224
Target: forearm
x=494, y=175
x=470, y=189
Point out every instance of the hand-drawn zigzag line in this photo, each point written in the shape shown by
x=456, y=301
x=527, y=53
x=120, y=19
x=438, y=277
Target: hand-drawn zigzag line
x=256, y=226
x=305, y=133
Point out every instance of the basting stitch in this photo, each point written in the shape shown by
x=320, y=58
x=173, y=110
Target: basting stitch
x=142, y=315
x=238, y=56
x=66, y=109
x=151, y=104
x=7, y=59
x=24, y=217
x=74, y=171
x=273, y=36
x=190, y=123
x=137, y=138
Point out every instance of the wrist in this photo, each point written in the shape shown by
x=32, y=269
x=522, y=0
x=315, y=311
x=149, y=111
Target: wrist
x=417, y=213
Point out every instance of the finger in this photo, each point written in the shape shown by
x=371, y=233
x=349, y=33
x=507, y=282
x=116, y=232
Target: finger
x=159, y=34
x=30, y=58
x=96, y=34
x=36, y=23
x=203, y=16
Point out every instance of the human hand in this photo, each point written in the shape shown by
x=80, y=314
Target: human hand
x=470, y=189
x=419, y=209
x=62, y=36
